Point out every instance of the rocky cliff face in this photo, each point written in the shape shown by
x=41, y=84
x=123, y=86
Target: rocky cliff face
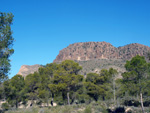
x=100, y=50
x=131, y=50
x=27, y=69
x=94, y=56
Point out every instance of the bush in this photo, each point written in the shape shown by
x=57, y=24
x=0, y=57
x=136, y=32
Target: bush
x=131, y=103
x=88, y=109
x=59, y=100
x=146, y=103
x=5, y=106
x=119, y=110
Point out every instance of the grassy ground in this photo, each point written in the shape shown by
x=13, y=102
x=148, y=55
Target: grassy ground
x=80, y=108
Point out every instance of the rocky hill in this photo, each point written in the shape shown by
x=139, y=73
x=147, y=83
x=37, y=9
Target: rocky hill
x=100, y=50
x=28, y=69
x=131, y=50
x=94, y=56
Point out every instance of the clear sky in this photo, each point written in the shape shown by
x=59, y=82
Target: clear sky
x=42, y=28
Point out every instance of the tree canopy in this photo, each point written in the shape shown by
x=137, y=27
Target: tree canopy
x=136, y=80
x=62, y=83
x=6, y=42
x=14, y=90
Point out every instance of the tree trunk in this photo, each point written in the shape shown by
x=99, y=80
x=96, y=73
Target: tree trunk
x=114, y=91
x=16, y=103
x=68, y=98
x=142, y=103
x=52, y=102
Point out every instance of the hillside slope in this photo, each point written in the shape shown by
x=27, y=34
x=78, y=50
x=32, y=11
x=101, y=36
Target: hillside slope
x=96, y=65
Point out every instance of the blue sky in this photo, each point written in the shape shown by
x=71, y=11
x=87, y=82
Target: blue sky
x=42, y=28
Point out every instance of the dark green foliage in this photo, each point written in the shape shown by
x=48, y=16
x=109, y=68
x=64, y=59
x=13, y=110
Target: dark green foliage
x=46, y=75
x=119, y=110
x=146, y=103
x=14, y=90
x=70, y=67
x=94, y=85
x=131, y=103
x=101, y=85
x=1, y=91
x=136, y=80
x=66, y=79
x=32, y=83
x=62, y=84
x=6, y=42
x=137, y=64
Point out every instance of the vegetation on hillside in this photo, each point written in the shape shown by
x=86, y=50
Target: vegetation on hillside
x=61, y=84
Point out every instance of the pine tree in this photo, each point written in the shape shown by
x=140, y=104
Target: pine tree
x=136, y=79
x=6, y=42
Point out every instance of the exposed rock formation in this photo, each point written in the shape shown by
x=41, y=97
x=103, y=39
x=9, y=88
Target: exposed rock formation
x=131, y=50
x=26, y=69
x=94, y=56
x=100, y=50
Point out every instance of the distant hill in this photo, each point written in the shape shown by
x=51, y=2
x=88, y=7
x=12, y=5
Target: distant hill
x=28, y=69
x=96, y=65
x=94, y=56
x=101, y=50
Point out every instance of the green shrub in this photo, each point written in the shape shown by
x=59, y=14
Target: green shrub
x=88, y=109
x=5, y=106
